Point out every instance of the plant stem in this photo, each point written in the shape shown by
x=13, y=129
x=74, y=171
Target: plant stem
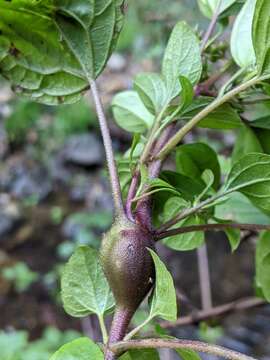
x=224, y=309
x=159, y=235
x=114, y=178
x=137, y=329
x=202, y=114
x=211, y=27
x=204, y=277
x=187, y=212
x=197, y=346
x=103, y=329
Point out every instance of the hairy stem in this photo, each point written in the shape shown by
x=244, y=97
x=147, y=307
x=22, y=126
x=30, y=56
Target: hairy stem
x=119, y=327
x=179, y=344
x=114, y=179
x=159, y=235
x=202, y=114
x=211, y=27
x=197, y=316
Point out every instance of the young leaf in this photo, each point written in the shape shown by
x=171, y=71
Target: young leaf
x=263, y=264
x=246, y=142
x=208, y=7
x=233, y=235
x=163, y=302
x=251, y=176
x=193, y=159
x=79, y=349
x=84, y=287
x=261, y=35
x=188, y=354
x=187, y=93
x=182, y=57
x=130, y=113
x=241, y=39
x=152, y=91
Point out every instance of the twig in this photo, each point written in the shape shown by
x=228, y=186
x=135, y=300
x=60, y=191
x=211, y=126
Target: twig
x=202, y=114
x=202, y=315
x=211, y=27
x=159, y=235
x=131, y=194
x=179, y=344
x=114, y=178
x=204, y=277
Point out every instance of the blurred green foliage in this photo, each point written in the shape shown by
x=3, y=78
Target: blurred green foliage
x=16, y=346
x=20, y=275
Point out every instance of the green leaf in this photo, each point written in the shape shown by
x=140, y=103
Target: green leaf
x=152, y=91
x=246, y=142
x=36, y=60
x=223, y=118
x=84, y=287
x=208, y=7
x=130, y=113
x=233, y=235
x=193, y=159
x=188, y=354
x=79, y=349
x=182, y=242
x=258, y=114
x=12, y=344
x=261, y=35
x=163, y=302
x=141, y=354
x=182, y=58
x=241, y=39
x=263, y=264
x=251, y=176
x=187, y=93
x=239, y=209
x=188, y=187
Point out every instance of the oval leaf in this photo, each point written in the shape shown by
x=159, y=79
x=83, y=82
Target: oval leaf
x=85, y=289
x=241, y=40
x=182, y=57
x=130, y=113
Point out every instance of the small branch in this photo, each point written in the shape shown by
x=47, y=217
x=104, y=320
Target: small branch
x=159, y=235
x=143, y=210
x=131, y=194
x=197, y=346
x=221, y=310
x=202, y=114
x=114, y=179
x=211, y=27
x=204, y=277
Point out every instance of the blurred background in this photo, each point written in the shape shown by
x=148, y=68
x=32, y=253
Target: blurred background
x=54, y=195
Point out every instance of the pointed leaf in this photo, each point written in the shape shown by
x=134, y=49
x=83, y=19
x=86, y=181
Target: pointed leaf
x=241, y=39
x=182, y=57
x=163, y=302
x=261, y=36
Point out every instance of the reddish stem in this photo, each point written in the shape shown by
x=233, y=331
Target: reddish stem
x=119, y=327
